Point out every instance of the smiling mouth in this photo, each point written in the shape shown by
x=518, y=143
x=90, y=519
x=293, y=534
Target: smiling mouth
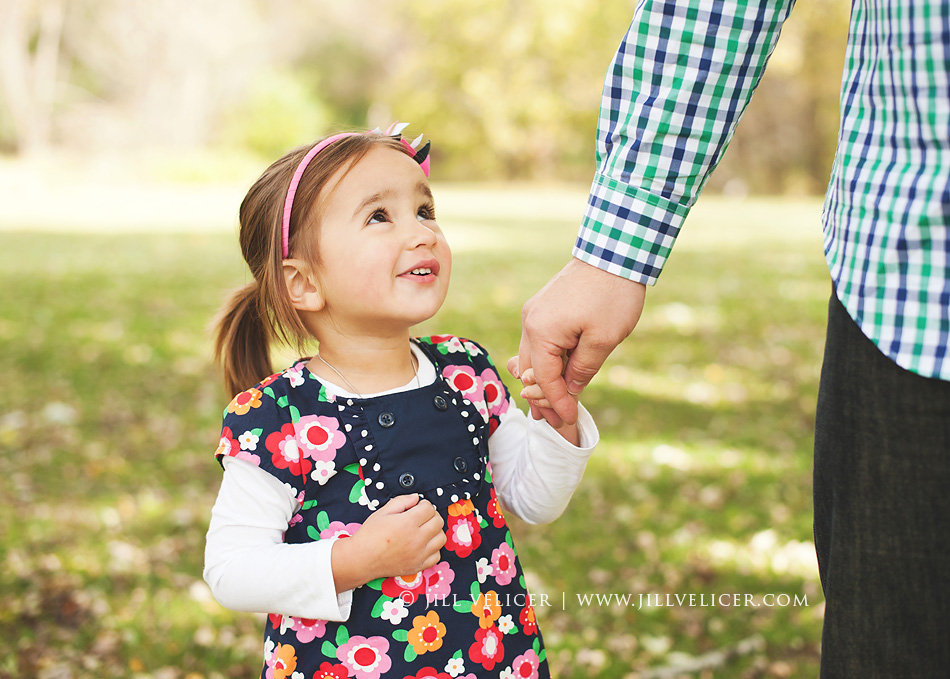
x=425, y=271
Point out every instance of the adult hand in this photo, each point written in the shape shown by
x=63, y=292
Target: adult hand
x=582, y=314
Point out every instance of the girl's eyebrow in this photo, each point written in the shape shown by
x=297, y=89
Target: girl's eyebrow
x=421, y=187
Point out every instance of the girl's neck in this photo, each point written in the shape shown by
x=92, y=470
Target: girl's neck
x=369, y=365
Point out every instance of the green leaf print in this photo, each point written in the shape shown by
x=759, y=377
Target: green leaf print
x=463, y=606
x=542, y=656
x=378, y=608
x=482, y=522
x=521, y=582
x=270, y=392
x=342, y=635
x=282, y=401
x=508, y=539
x=328, y=649
x=323, y=395
x=476, y=592
x=357, y=491
x=257, y=432
x=323, y=521
x=536, y=645
x=401, y=635
x=313, y=533
x=410, y=654
x=352, y=468
x=457, y=655
x=309, y=504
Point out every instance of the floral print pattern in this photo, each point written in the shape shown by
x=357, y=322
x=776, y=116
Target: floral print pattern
x=459, y=619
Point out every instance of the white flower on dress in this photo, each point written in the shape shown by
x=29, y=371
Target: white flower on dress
x=323, y=471
x=297, y=675
x=471, y=349
x=373, y=505
x=295, y=375
x=249, y=440
x=455, y=666
x=394, y=611
x=505, y=624
x=507, y=673
x=484, y=570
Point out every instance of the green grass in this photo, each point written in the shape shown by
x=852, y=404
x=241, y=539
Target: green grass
x=110, y=411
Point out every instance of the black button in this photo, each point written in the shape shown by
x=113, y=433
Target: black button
x=440, y=402
x=461, y=466
x=386, y=420
x=407, y=480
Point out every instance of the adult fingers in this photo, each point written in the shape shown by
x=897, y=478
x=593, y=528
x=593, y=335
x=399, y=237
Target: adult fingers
x=585, y=361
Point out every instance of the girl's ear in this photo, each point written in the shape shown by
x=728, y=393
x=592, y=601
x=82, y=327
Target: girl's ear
x=302, y=286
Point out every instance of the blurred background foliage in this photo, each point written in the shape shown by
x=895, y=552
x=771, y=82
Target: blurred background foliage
x=509, y=89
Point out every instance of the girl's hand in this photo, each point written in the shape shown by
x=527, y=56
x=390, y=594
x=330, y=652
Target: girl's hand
x=532, y=393
x=402, y=537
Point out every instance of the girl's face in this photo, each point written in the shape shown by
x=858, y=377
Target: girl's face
x=384, y=262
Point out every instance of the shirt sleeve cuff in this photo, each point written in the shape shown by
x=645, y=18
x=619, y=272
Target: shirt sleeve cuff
x=628, y=231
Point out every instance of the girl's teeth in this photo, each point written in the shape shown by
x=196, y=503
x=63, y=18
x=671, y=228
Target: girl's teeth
x=422, y=272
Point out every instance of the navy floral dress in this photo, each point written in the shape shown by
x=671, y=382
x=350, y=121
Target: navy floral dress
x=468, y=616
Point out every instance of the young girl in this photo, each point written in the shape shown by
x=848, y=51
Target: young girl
x=361, y=499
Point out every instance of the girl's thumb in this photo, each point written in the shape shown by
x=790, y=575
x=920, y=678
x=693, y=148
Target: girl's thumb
x=399, y=504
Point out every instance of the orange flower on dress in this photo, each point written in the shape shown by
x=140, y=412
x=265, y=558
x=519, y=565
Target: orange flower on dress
x=461, y=508
x=487, y=608
x=244, y=401
x=426, y=633
x=282, y=662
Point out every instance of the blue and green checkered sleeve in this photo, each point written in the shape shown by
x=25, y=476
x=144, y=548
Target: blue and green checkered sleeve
x=673, y=95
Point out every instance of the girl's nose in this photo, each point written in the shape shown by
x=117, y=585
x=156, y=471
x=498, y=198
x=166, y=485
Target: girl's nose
x=421, y=234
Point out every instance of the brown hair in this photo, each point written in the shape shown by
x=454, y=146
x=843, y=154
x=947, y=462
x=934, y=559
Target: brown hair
x=261, y=311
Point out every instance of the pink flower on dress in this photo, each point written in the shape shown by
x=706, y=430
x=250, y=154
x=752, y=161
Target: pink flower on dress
x=494, y=393
x=338, y=529
x=526, y=665
x=365, y=658
x=319, y=437
x=463, y=379
x=438, y=579
x=308, y=629
x=503, y=564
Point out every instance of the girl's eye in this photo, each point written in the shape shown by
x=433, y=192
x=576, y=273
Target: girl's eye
x=426, y=212
x=378, y=217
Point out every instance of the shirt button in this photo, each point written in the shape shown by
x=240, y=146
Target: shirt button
x=440, y=402
x=461, y=466
x=386, y=420
x=407, y=480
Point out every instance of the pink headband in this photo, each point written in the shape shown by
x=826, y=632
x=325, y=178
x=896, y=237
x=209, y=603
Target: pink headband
x=421, y=157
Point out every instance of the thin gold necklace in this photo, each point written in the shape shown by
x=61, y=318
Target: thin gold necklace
x=412, y=364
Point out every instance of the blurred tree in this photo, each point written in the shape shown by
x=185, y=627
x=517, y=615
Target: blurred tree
x=30, y=32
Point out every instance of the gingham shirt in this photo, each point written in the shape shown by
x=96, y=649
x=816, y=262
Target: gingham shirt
x=673, y=95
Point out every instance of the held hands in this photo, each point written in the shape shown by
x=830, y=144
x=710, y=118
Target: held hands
x=537, y=403
x=402, y=537
x=580, y=316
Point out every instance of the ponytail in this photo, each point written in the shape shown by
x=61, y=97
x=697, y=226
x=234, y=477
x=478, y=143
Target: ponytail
x=242, y=340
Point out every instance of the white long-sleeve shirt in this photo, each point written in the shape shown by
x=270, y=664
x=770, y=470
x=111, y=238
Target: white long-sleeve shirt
x=250, y=568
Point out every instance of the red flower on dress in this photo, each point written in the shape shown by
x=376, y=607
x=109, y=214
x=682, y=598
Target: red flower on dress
x=494, y=511
x=285, y=453
x=227, y=445
x=406, y=587
x=463, y=534
x=331, y=671
x=528, y=622
x=487, y=649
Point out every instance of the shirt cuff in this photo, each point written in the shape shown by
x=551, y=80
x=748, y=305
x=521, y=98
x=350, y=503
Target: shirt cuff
x=628, y=231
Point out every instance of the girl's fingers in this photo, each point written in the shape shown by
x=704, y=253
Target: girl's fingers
x=527, y=377
x=532, y=393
